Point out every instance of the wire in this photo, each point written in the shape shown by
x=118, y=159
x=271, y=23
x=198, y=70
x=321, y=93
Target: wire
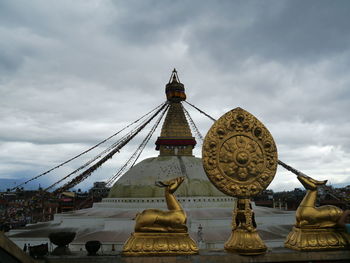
x=110, y=148
x=284, y=165
x=201, y=111
x=298, y=173
x=193, y=125
x=137, y=153
x=88, y=172
x=86, y=151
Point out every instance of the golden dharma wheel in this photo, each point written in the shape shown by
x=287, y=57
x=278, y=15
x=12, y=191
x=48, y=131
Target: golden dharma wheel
x=239, y=154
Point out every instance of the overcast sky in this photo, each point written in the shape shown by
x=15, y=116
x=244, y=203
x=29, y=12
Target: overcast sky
x=74, y=72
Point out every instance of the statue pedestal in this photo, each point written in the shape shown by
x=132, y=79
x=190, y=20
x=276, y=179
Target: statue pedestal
x=314, y=239
x=245, y=242
x=244, y=239
x=158, y=244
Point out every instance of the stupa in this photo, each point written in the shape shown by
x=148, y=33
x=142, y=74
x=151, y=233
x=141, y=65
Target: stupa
x=209, y=212
x=175, y=145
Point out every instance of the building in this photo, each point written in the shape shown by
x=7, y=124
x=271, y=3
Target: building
x=99, y=190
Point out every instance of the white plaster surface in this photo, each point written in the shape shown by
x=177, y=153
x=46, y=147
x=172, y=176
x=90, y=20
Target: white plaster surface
x=113, y=225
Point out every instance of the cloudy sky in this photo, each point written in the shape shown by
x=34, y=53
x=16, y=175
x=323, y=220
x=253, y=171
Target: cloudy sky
x=74, y=72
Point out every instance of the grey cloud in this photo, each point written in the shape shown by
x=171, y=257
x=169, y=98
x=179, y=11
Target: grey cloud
x=288, y=32
x=75, y=72
x=303, y=29
x=149, y=22
x=9, y=63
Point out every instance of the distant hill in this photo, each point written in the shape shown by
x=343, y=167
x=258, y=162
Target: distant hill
x=10, y=183
x=340, y=185
x=6, y=183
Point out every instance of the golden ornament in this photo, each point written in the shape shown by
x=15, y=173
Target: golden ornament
x=239, y=154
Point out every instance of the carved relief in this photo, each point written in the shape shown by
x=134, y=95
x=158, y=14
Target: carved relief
x=239, y=154
x=240, y=159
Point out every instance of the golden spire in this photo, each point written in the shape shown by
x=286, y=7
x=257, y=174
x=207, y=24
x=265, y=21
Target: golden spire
x=176, y=137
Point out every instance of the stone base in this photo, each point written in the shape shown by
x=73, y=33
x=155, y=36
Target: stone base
x=61, y=251
x=274, y=255
x=158, y=244
x=317, y=239
x=245, y=242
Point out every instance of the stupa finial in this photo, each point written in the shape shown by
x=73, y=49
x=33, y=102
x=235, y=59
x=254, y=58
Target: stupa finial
x=175, y=90
x=174, y=77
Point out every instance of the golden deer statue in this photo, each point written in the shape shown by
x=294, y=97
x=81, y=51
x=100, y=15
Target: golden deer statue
x=162, y=232
x=308, y=214
x=316, y=227
x=174, y=220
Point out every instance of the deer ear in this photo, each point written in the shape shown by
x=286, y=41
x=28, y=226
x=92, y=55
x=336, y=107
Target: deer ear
x=160, y=184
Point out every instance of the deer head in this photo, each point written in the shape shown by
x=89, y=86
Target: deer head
x=310, y=183
x=172, y=184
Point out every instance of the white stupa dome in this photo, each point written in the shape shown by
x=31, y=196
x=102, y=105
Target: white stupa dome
x=138, y=182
